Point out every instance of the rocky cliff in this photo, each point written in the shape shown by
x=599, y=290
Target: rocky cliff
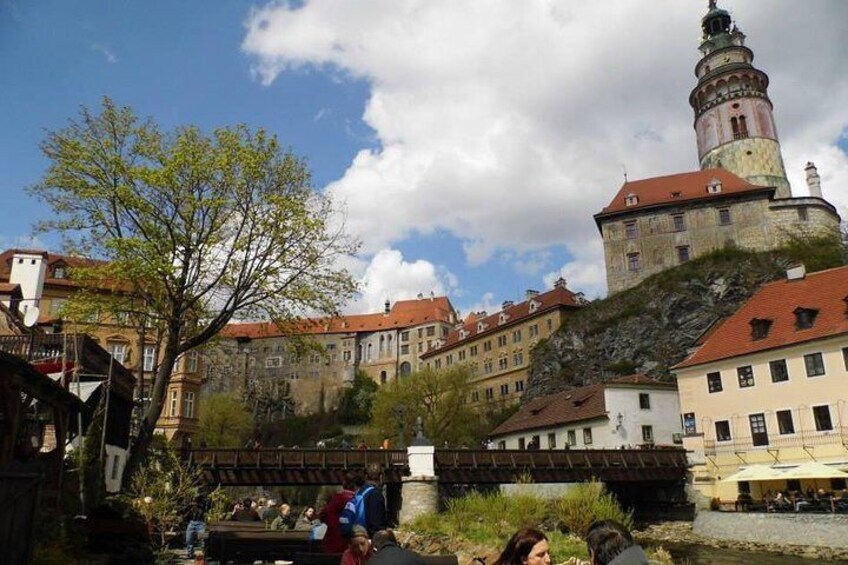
x=649, y=328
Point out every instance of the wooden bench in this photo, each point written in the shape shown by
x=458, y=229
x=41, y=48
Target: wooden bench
x=250, y=541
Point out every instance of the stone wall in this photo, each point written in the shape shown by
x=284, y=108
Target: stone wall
x=823, y=530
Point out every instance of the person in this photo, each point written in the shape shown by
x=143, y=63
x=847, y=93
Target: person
x=271, y=512
x=610, y=543
x=533, y=445
x=359, y=549
x=334, y=541
x=261, y=507
x=388, y=552
x=306, y=520
x=527, y=546
x=375, y=502
x=244, y=512
x=195, y=515
x=387, y=443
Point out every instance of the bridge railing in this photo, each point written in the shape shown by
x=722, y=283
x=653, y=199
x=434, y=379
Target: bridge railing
x=570, y=459
x=296, y=458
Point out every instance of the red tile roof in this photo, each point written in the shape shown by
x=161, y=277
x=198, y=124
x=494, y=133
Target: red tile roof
x=574, y=405
x=691, y=186
x=825, y=291
x=403, y=314
x=52, y=259
x=546, y=301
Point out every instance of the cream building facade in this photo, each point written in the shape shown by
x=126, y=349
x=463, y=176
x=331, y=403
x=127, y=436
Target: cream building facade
x=740, y=196
x=770, y=384
x=497, y=347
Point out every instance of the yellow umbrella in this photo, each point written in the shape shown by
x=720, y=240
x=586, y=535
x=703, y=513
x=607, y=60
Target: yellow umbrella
x=754, y=473
x=814, y=470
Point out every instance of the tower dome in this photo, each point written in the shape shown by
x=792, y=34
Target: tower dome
x=733, y=114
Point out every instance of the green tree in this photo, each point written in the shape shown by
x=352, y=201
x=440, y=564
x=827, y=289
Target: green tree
x=224, y=421
x=196, y=229
x=356, y=402
x=439, y=398
x=818, y=251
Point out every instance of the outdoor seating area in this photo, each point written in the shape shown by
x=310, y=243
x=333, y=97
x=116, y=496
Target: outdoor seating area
x=806, y=488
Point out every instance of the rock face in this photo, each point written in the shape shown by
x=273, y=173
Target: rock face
x=649, y=328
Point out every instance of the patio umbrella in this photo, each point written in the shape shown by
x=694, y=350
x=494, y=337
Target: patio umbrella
x=754, y=473
x=814, y=470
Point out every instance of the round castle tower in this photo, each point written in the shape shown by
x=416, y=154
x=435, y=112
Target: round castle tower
x=733, y=113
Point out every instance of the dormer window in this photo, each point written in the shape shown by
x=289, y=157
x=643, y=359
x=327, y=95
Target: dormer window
x=533, y=306
x=677, y=194
x=805, y=318
x=481, y=327
x=760, y=328
x=503, y=318
x=631, y=200
x=463, y=334
x=714, y=186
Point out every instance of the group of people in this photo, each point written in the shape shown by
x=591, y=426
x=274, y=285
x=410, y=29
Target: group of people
x=810, y=500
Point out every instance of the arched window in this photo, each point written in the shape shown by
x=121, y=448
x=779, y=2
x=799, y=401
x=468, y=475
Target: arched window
x=369, y=352
x=382, y=344
x=383, y=377
x=743, y=127
x=734, y=125
x=405, y=369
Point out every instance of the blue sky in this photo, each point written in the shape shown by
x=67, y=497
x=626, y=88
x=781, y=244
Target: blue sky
x=469, y=142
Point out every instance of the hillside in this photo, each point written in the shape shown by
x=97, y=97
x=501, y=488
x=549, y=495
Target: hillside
x=649, y=328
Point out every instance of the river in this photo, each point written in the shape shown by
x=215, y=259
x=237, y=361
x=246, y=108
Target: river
x=705, y=555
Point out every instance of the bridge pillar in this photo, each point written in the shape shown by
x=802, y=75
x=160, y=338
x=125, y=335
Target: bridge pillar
x=420, y=490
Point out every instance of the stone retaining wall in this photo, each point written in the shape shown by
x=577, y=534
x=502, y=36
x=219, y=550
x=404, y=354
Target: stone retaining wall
x=822, y=530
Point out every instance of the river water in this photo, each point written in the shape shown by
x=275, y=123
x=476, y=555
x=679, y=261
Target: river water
x=704, y=555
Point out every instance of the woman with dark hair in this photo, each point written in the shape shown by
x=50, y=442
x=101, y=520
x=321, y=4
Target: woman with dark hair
x=526, y=547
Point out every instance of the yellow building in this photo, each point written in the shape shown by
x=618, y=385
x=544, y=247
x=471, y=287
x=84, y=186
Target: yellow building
x=46, y=281
x=769, y=385
x=498, y=346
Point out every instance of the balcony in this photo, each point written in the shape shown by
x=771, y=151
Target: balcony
x=802, y=439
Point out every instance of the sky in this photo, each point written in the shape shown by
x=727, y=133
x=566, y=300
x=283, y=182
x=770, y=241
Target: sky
x=468, y=143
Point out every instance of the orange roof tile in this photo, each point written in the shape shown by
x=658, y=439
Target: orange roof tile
x=674, y=189
x=546, y=301
x=573, y=405
x=403, y=314
x=825, y=291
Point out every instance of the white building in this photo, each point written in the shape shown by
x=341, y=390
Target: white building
x=625, y=412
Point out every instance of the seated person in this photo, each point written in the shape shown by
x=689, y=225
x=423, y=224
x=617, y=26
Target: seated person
x=388, y=552
x=245, y=513
x=610, y=543
x=743, y=501
x=359, y=549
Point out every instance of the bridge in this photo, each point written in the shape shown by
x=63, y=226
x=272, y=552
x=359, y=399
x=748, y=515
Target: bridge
x=252, y=467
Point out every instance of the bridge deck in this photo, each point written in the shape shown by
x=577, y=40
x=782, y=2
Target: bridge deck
x=231, y=467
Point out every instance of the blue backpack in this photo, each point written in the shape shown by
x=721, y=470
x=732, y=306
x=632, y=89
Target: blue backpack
x=353, y=514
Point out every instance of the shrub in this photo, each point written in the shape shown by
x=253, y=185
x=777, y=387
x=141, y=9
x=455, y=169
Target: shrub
x=586, y=503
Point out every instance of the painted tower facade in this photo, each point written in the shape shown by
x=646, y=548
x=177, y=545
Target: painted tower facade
x=733, y=114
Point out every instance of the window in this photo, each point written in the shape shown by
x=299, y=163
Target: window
x=431, y=331
x=437, y=364
x=805, y=318
x=534, y=331
x=149, y=357
x=490, y=393
x=487, y=345
x=785, y=425
x=516, y=336
x=746, y=376
x=551, y=441
x=760, y=328
x=503, y=363
x=191, y=362
x=420, y=333
x=449, y=359
x=404, y=336
x=714, y=382
x=420, y=347
x=631, y=230
x=572, y=437
x=644, y=401
x=679, y=222
x=519, y=386
x=739, y=127
x=722, y=428
x=501, y=341
x=814, y=364
x=683, y=254
x=521, y=443
x=518, y=358
x=189, y=405
x=631, y=200
x=383, y=377
x=587, y=436
x=779, y=372
x=404, y=349
x=59, y=272
x=802, y=214
x=475, y=396
x=117, y=350
x=648, y=434
x=633, y=262
x=759, y=435
x=821, y=415
x=116, y=465
x=487, y=366
x=173, y=411
x=472, y=351
x=461, y=355
x=724, y=217
x=504, y=389
x=271, y=362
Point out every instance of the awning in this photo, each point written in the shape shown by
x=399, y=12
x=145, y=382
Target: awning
x=755, y=473
x=814, y=470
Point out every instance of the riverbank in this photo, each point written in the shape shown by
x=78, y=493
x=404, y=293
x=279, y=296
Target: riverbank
x=674, y=533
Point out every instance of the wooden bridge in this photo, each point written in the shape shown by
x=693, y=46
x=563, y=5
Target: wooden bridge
x=237, y=467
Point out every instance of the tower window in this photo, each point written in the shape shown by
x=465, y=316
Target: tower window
x=633, y=262
x=683, y=254
x=739, y=127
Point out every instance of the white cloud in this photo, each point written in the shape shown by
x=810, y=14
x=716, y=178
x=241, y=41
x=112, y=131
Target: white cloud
x=389, y=277
x=107, y=53
x=507, y=123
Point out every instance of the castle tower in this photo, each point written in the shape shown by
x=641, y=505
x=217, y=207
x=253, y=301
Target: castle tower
x=733, y=113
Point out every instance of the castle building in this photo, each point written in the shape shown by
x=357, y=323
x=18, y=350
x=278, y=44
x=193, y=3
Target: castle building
x=498, y=346
x=308, y=365
x=739, y=197
x=767, y=386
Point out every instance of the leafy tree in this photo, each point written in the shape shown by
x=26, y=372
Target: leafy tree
x=439, y=398
x=356, y=402
x=196, y=229
x=224, y=421
x=818, y=251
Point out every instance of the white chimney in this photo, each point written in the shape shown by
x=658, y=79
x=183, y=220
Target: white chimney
x=796, y=272
x=29, y=270
x=813, y=180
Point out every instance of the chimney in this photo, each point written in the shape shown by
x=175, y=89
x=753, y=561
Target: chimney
x=506, y=304
x=388, y=307
x=813, y=180
x=530, y=293
x=432, y=295
x=29, y=270
x=796, y=272
x=560, y=283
